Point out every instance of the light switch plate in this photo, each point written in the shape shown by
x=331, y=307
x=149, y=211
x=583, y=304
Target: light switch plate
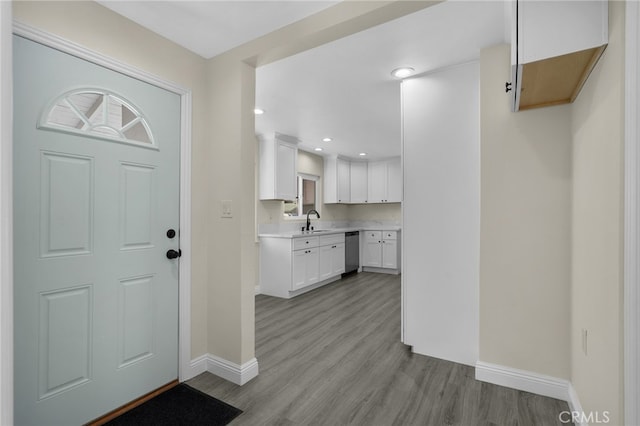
x=227, y=208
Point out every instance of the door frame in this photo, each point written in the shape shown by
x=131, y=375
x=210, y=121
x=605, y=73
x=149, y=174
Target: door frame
x=185, y=371
x=631, y=296
x=6, y=216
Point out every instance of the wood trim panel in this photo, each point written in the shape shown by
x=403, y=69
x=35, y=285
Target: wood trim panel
x=558, y=80
x=131, y=405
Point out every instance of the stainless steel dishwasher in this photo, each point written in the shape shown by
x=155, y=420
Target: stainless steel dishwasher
x=351, y=252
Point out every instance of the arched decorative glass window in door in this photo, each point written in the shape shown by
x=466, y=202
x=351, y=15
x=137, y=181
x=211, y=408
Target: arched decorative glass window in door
x=98, y=113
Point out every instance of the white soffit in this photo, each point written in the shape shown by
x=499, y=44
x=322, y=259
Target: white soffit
x=209, y=28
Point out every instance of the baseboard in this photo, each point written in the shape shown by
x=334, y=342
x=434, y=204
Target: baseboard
x=575, y=406
x=238, y=374
x=524, y=380
x=381, y=270
x=197, y=366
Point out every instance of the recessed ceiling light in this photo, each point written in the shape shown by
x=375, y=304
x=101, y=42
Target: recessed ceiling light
x=318, y=149
x=327, y=140
x=402, y=72
x=258, y=111
x=362, y=154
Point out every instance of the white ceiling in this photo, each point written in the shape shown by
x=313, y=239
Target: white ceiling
x=343, y=89
x=211, y=27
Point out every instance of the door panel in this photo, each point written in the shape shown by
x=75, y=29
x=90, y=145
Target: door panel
x=66, y=214
x=65, y=337
x=136, y=205
x=96, y=299
x=135, y=328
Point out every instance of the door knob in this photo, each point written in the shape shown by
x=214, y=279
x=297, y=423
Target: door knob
x=172, y=254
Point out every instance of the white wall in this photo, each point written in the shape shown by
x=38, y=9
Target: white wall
x=525, y=228
x=597, y=119
x=441, y=213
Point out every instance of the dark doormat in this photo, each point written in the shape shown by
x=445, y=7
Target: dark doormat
x=181, y=405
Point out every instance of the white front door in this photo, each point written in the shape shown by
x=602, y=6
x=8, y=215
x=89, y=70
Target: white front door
x=96, y=184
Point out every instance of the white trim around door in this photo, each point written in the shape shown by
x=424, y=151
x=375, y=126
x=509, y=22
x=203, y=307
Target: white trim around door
x=6, y=214
x=185, y=371
x=632, y=217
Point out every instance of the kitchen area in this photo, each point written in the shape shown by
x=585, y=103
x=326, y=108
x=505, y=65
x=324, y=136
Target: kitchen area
x=322, y=218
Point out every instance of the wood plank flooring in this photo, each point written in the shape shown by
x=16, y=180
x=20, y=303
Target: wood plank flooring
x=333, y=357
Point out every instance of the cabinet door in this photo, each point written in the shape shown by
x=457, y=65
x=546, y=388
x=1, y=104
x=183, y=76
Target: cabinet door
x=394, y=180
x=306, y=268
x=390, y=254
x=312, y=266
x=372, y=255
x=286, y=180
x=326, y=262
x=359, y=188
x=337, y=259
x=377, y=182
x=299, y=274
x=344, y=181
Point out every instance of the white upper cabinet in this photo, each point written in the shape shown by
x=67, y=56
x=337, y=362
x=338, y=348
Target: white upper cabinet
x=394, y=180
x=278, y=164
x=385, y=181
x=555, y=45
x=377, y=181
x=337, y=180
x=359, y=190
x=359, y=182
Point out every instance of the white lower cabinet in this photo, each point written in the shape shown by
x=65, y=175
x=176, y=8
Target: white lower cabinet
x=373, y=249
x=390, y=254
x=291, y=266
x=306, y=270
x=331, y=260
x=381, y=251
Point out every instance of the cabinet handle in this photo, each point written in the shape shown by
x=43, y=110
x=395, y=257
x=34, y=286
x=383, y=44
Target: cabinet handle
x=334, y=246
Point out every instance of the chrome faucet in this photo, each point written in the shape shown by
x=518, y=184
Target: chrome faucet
x=308, y=213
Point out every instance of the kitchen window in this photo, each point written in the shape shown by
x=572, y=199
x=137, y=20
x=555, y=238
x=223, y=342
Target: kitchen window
x=307, y=198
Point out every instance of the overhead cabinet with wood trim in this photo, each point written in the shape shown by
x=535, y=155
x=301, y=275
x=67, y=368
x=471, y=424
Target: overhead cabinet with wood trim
x=278, y=158
x=554, y=47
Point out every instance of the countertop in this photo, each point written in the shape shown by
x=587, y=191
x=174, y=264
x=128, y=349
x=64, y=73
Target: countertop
x=328, y=231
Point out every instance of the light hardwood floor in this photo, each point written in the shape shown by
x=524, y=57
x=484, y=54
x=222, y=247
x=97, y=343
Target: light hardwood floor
x=333, y=357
